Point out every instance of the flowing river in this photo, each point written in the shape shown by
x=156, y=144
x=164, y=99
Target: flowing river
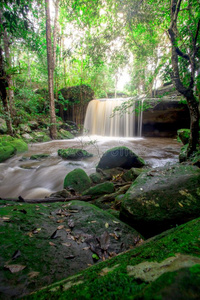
x=20, y=176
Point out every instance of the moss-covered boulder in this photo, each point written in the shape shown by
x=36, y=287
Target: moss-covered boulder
x=9, y=146
x=77, y=180
x=41, y=136
x=120, y=157
x=65, y=134
x=6, y=152
x=71, y=153
x=42, y=243
x=100, y=189
x=162, y=198
x=164, y=267
x=184, y=135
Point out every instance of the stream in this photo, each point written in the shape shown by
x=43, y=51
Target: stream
x=20, y=176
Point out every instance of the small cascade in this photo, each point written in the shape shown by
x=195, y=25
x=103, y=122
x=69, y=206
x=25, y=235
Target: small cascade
x=99, y=120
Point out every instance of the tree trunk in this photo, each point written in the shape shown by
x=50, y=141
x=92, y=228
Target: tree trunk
x=53, y=130
x=3, y=94
x=187, y=92
x=10, y=92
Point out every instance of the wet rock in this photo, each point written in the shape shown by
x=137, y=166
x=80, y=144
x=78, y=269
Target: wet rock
x=71, y=153
x=100, y=189
x=33, y=125
x=61, y=194
x=39, y=156
x=120, y=157
x=77, y=180
x=162, y=198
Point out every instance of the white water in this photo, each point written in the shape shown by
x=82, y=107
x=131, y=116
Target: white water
x=37, y=179
x=98, y=120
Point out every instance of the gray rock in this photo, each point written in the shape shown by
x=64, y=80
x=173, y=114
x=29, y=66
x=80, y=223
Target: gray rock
x=120, y=157
x=162, y=198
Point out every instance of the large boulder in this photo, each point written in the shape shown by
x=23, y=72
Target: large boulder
x=9, y=146
x=120, y=157
x=77, y=180
x=162, y=198
x=164, y=267
x=55, y=241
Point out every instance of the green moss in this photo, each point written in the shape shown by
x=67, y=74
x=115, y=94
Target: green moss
x=6, y=152
x=9, y=146
x=71, y=153
x=184, y=135
x=78, y=180
x=117, y=284
x=100, y=189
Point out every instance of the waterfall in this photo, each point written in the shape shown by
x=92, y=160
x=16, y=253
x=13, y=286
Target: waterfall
x=98, y=120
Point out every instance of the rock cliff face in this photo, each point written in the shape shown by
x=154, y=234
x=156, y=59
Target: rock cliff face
x=165, y=118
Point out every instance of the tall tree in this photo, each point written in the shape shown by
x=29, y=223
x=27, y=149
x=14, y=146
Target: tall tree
x=184, y=39
x=50, y=62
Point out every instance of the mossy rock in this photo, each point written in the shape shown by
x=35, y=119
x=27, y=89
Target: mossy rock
x=41, y=137
x=95, y=177
x=132, y=174
x=65, y=134
x=7, y=152
x=9, y=146
x=176, y=250
x=162, y=198
x=120, y=157
x=100, y=189
x=39, y=156
x=77, y=180
x=54, y=241
x=184, y=135
x=71, y=153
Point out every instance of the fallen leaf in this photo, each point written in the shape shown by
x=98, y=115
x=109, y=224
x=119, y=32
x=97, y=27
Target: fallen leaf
x=93, y=221
x=60, y=227
x=14, y=268
x=16, y=254
x=86, y=248
x=60, y=221
x=115, y=222
x=180, y=204
x=33, y=274
x=68, y=230
x=106, y=225
x=52, y=244
x=66, y=244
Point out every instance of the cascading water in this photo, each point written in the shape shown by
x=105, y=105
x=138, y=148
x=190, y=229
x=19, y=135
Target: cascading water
x=99, y=119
